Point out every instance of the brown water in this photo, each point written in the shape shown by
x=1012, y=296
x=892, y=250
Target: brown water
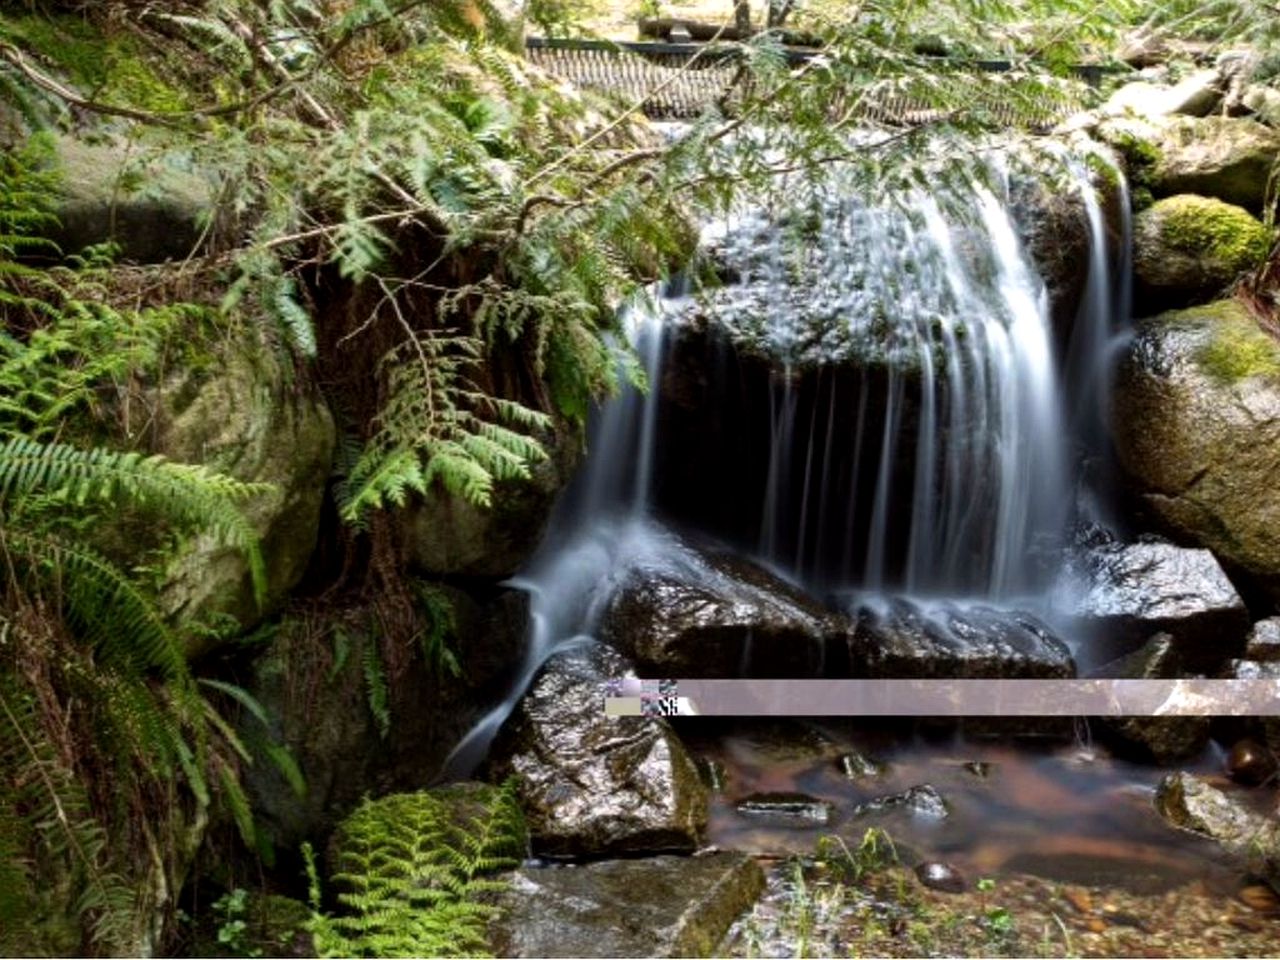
x=1072, y=814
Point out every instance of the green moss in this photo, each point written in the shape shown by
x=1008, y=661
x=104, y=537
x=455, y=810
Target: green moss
x=109, y=68
x=1237, y=347
x=1210, y=228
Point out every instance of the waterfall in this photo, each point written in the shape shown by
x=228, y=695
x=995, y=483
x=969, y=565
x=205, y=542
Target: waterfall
x=908, y=436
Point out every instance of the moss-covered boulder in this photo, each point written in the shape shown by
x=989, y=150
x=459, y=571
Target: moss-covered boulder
x=656, y=907
x=1225, y=157
x=245, y=411
x=156, y=204
x=1251, y=838
x=1188, y=248
x=1196, y=423
x=1264, y=102
x=353, y=729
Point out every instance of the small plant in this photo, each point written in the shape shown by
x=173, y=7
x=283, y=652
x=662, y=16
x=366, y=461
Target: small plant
x=996, y=920
x=233, y=909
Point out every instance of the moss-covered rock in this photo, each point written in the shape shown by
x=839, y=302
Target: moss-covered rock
x=449, y=536
x=1189, y=248
x=1196, y=423
x=156, y=205
x=1225, y=157
x=245, y=412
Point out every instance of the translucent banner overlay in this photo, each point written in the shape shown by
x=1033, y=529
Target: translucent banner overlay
x=943, y=698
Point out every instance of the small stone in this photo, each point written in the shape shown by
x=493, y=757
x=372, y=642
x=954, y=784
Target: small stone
x=923, y=800
x=937, y=875
x=1260, y=898
x=1095, y=925
x=1250, y=763
x=979, y=768
x=786, y=806
x=1079, y=899
x=857, y=766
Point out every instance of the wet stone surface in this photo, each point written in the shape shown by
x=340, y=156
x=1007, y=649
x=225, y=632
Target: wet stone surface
x=937, y=875
x=796, y=807
x=921, y=801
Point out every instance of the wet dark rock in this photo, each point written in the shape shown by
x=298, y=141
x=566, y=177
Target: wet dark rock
x=906, y=640
x=786, y=806
x=1157, y=659
x=657, y=907
x=857, y=766
x=937, y=875
x=979, y=768
x=726, y=618
x=1054, y=225
x=1196, y=425
x=1250, y=763
x=592, y=784
x=1165, y=740
x=922, y=801
x=1263, y=642
x=1125, y=593
x=1190, y=803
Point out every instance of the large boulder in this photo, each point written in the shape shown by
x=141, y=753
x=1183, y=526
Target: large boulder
x=1222, y=157
x=717, y=617
x=594, y=785
x=1188, y=248
x=156, y=205
x=1263, y=642
x=446, y=535
x=1123, y=594
x=243, y=412
x=1193, y=804
x=321, y=683
x=657, y=907
x=1195, y=96
x=902, y=639
x=1196, y=425
x=1264, y=103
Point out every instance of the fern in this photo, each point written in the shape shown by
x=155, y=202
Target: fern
x=412, y=870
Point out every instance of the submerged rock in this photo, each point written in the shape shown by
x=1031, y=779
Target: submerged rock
x=723, y=617
x=1124, y=593
x=1190, y=803
x=786, y=806
x=857, y=766
x=937, y=875
x=657, y=907
x=922, y=801
x=592, y=784
x=905, y=640
x=1188, y=248
x=1196, y=424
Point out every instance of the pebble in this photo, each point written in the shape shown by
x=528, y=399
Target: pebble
x=788, y=806
x=937, y=875
x=856, y=766
x=1079, y=899
x=1260, y=898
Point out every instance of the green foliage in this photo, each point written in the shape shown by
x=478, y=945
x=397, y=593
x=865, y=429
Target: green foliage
x=413, y=870
x=232, y=909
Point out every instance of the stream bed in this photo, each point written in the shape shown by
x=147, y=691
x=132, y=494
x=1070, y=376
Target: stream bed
x=1057, y=847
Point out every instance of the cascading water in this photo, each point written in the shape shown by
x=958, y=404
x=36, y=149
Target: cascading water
x=916, y=438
